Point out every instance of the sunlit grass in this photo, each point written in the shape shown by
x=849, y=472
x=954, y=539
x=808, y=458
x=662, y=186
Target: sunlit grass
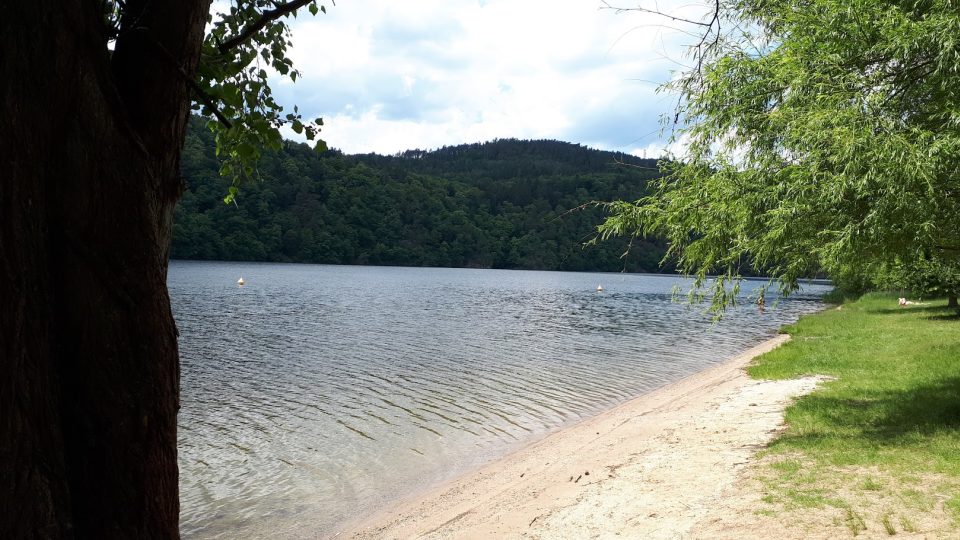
x=884, y=428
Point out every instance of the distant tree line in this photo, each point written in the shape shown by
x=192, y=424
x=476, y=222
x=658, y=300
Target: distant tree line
x=503, y=204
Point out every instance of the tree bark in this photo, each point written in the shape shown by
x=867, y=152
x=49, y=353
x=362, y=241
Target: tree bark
x=952, y=301
x=89, y=176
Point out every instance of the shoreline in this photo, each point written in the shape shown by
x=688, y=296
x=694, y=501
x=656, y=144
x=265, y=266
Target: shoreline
x=652, y=466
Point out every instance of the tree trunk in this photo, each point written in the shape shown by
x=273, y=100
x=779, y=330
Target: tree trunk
x=89, y=176
x=952, y=301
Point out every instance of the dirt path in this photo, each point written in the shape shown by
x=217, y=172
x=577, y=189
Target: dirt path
x=652, y=468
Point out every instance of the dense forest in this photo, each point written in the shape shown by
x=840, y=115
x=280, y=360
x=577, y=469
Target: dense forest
x=501, y=204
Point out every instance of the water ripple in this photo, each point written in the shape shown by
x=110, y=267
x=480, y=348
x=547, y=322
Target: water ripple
x=316, y=394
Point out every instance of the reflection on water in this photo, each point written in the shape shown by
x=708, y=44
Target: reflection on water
x=315, y=394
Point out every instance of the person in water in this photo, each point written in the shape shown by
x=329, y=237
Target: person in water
x=761, y=303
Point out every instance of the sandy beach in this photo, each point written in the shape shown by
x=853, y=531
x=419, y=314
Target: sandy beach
x=658, y=466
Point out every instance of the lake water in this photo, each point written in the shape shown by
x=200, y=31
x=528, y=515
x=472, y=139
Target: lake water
x=314, y=395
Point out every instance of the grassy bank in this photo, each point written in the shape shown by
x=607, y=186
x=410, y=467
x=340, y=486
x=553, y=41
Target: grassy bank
x=876, y=450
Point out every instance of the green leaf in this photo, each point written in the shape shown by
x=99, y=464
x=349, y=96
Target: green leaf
x=245, y=151
x=239, y=87
x=231, y=195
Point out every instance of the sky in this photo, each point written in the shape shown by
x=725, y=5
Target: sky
x=388, y=76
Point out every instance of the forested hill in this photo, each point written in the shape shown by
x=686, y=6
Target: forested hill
x=501, y=204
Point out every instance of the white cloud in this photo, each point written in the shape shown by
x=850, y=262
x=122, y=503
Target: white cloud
x=388, y=76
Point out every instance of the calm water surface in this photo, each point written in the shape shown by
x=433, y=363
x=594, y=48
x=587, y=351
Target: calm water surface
x=315, y=395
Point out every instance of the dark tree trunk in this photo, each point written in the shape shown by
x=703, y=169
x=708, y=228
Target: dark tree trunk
x=89, y=176
x=952, y=301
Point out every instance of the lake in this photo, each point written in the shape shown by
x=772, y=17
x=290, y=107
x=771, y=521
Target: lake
x=315, y=395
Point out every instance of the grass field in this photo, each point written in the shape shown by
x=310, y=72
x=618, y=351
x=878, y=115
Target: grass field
x=877, y=449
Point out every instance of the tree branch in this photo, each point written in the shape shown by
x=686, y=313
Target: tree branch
x=711, y=26
x=201, y=94
x=655, y=12
x=206, y=100
x=622, y=163
x=265, y=18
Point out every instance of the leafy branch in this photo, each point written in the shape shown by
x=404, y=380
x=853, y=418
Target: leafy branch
x=244, y=45
x=266, y=18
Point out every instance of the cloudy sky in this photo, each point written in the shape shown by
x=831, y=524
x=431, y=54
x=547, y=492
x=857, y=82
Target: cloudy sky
x=388, y=76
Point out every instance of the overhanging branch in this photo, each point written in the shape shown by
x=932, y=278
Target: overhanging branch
x=711, y=29
x=200, y=93
x=265, y=18
x=659, y=13
x=206, y=100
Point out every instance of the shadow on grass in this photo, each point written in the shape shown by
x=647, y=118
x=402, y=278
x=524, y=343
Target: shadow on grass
x=881, y=417
x=910, y=309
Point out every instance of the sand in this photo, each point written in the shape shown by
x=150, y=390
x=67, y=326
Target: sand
x=658, y=466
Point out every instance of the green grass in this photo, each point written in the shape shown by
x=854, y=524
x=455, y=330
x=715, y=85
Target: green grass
x=891, y=415
x=854, y=522
x=954, y=506
x=888, y=525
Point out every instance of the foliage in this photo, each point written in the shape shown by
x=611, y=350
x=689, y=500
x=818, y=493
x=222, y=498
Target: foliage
x=822, y=136
x=503, y=204
x=928, y=277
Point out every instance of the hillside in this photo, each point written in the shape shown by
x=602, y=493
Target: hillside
x=501, y=204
